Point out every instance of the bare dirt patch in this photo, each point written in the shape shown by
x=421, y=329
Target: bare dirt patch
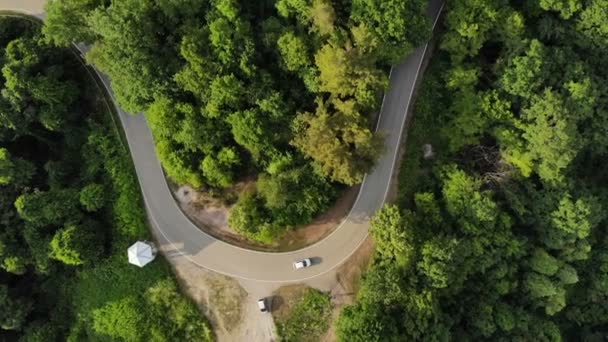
x=349, y=274
x=211, y=215
x=348, y=278
x=219, y=298
x=225, y=297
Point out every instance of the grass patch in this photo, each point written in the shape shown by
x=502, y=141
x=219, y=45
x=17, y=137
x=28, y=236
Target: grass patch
x=302, y=314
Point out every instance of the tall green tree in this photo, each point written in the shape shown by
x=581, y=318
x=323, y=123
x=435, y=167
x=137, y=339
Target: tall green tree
x=395, y=24
x=77, y=245
x=339, y=142
x=66, y=21
x=54, y=207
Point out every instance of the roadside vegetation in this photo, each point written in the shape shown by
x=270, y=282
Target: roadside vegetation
x=283, y=91
x=307, y=318
x=70, y=206
x=502, y=235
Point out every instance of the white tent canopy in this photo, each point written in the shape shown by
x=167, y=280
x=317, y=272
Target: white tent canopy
x=141, y=253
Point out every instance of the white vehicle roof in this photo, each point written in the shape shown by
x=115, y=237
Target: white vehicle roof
x=262, y=304
x=302, y=263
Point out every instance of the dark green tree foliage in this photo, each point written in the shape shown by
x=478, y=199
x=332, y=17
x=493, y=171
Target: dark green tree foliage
x=396, y=24
x=68, y=199
x=40, y=142
x=226, y=85
x=66, y=22
x=14, y=171
x=48, y=208
x=14, y=309
x=92, y=197
x=136, y=69
x=286, y=197
x=366, y=323
x=36, y=90
x=77, y=245
x=249, y=218
x=505, y=237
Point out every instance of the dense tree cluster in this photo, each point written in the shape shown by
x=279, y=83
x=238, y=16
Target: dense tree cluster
x=283, y=90
x=505, y=237
x=68, y=199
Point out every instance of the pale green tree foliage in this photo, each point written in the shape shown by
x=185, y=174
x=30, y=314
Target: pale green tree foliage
x=183, y=323
x=525, y=74
x=323, y=16
x=345, y=71
x=300, y=9
x=365, y=323
x=249, y=218
x=439, y=261
x=552, y=136
x=294, y=51
x=391, y=236
x=225, y=95
x=593, y=23
x=43, y=208
x=337, y=138
x=120, y=319
x=565, y=8
x=13, y=170
x=77, y=245
x=571, y=223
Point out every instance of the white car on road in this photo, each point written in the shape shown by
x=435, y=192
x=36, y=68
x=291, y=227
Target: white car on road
x=302, y=263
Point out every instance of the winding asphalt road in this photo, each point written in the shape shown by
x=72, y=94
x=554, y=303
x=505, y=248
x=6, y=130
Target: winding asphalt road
x=185, y=238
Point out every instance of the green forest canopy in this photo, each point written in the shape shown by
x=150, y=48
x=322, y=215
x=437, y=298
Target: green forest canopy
x=282, y=90
x=503, y=235
x=70, y=206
